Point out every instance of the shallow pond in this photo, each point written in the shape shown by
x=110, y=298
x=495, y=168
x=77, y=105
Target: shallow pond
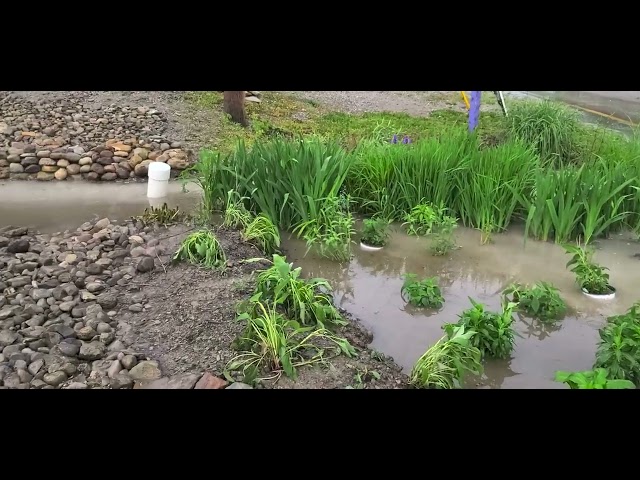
x=369, y=287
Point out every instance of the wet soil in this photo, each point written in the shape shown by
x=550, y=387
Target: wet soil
x=190, y=324
x=369, y=288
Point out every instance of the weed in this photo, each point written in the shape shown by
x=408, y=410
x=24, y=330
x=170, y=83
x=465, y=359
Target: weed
x=262, y=231
x=160, y=215
x=202, y=248
x=592, y=379
x=302, y=300
x=235, y=213
x=422, y=293
x=444, y=365
x=364, y=376
x=375, y=232
x=590, y=276
x=494, y=336
x=279, y=344
x=619, y=347
x=541, y=301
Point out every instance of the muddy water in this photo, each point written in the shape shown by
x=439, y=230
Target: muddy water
x=369, y=287
x=57, y=206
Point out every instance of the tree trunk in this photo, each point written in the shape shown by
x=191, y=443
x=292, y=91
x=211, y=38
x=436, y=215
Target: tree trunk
x=234, y=105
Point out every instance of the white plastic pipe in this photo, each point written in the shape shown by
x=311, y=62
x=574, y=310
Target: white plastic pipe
x=158, y=185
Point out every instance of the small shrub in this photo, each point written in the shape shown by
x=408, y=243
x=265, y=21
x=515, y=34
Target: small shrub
x=619, y=348
x=541, y=301
x=202, y=248
x=445, y=364
x=375, y=232
x=592, y=379
x=494, y=330
x=589, y=275
x=262, y=231
x=422, y=293
x=301, y=299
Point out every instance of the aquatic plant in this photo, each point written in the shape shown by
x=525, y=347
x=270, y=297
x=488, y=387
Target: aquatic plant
x=541, y=301
x=331, y=231
x=290, y=181
x=160, y=215
x=422, y=293
x=494, y=336
x=589, y=275
x=592, y=379
x=307, y=301
x=272, y=341
x=375, y=231
x=444, y=364
x=619, y=347
x=262, y=231
x=443, y=240
x=202, y=248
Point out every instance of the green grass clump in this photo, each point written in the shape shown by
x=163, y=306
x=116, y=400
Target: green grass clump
x=202, y=248
x=550, y=127
x=446, y=363
x=596, y=379
x=262, y=232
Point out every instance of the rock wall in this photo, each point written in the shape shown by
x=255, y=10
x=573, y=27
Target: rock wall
x=68, y=140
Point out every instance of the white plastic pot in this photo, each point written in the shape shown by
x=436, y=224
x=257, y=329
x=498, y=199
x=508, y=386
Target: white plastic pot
x=369, y=248
x=607, y=296
x=158, y=185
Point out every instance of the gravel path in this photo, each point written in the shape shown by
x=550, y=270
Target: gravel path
x=413, y=103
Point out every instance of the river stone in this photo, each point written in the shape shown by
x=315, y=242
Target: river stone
x=55, y=379
x=145, y=371
x=7, y=338
x=179, y=382
x=129, y=361
x=92, y=351
x=210, y=382
x=239, y=386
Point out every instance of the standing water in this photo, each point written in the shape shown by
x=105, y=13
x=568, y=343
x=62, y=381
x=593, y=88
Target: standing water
x=369, y=288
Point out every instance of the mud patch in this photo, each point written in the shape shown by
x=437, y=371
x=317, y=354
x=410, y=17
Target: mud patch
x=188, y=323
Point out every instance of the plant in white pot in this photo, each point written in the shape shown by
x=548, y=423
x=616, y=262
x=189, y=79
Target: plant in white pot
x=592, y=278
x=375, y=233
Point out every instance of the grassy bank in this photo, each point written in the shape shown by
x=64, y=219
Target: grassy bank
x=282, y=115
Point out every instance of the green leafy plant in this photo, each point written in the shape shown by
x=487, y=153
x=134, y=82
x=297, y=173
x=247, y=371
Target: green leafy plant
x=592, y=379
x=541, y=301
x=589, y=275
x=279, y=344
x=302, y=300
x=422, y=219
x=160, y=215
x=262, y=231
x=494, y=330
x=331, y=231
x=235, y=213
x=422, y=293
x=619, y=347
x=375, y=232
x=444, y=364
x=202, y=248
x=444, y=239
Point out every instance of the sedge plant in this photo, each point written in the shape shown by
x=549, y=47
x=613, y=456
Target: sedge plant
x=202, y=248
x=590, y=276
x=262, y=232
